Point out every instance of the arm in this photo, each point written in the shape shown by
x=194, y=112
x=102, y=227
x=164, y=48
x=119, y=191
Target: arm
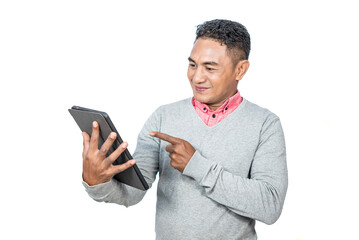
x=261, y=196
x=146, y=156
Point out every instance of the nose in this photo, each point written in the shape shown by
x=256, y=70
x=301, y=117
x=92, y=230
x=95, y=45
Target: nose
x=198, y=76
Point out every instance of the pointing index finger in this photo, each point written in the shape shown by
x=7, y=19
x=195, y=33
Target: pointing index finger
x=165, y=137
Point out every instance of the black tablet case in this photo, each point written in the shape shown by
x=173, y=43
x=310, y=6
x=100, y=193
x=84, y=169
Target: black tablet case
x=84, y=118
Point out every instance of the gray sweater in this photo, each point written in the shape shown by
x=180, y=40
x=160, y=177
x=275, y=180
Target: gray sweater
x=237, y=175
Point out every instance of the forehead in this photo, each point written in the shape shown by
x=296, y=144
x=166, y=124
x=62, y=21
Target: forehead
x=209, y=50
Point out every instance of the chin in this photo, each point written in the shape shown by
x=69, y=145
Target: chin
x=201, y=98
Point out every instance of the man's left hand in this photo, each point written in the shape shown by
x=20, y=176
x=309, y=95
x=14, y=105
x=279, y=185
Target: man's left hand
x=180, y=150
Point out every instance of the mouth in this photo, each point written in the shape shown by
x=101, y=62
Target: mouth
x=200, y=89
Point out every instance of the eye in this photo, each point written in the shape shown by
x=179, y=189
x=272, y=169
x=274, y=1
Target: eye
x=210, y=69
x=192, y=65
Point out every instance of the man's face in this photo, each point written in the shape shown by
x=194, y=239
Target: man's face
x=211, y=73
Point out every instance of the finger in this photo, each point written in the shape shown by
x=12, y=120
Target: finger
x=170, y=148
x=86, y=143
x=107, y=144
x=166, y=137
x=172, y=156
x=122, y=167
x=117, y=153
x=94, y=136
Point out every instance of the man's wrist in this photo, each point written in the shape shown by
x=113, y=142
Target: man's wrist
x=197, y=167
x=100, y=190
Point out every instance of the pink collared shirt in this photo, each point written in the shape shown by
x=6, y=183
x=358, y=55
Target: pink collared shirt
x=211, y=118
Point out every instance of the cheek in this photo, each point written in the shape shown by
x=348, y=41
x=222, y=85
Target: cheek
x=189, y=74
x=223, y=82
x=216, y=82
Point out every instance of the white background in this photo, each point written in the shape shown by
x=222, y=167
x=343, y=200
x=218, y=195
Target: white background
x=55, y=54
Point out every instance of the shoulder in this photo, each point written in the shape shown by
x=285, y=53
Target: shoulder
x=258, y=113
x=261, y=119
x=170, y=111
x=175, y=107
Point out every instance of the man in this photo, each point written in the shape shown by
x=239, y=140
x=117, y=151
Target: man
x=221, y=159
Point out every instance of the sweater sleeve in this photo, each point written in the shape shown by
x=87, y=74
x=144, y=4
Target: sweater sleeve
x=146, y=156
x=261, y=195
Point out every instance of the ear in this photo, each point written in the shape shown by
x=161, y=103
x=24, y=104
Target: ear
x=241, y=69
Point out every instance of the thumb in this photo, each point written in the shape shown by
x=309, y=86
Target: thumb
x=86, y=141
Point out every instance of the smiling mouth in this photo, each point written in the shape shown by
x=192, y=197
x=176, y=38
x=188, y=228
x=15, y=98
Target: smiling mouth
x=200, y=89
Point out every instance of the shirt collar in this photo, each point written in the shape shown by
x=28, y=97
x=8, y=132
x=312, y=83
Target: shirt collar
x=231, y=103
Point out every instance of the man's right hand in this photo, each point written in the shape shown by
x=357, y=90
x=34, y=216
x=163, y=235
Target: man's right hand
x=97, y=168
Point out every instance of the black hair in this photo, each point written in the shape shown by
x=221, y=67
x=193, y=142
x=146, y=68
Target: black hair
x=232, y=34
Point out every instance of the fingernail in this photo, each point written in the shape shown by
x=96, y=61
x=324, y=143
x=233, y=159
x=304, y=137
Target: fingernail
x=94, y=124
x=124, y=145
x=112, y=135
x=152, y=134
x=132, y=162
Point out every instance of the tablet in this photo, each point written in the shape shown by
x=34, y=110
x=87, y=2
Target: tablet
x=84, y=118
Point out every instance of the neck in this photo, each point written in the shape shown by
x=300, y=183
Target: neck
x=215, y=106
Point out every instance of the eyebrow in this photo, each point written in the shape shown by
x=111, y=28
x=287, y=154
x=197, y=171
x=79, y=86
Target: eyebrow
x=205, y=63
